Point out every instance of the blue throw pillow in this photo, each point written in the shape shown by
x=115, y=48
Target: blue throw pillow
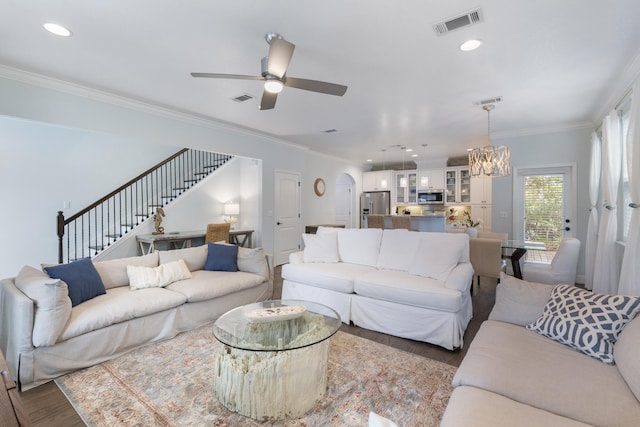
x=81, y=278
x=221, y=258
x=586, y=321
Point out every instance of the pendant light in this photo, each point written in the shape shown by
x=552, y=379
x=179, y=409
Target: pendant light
x=490, y=160
x=403, y=178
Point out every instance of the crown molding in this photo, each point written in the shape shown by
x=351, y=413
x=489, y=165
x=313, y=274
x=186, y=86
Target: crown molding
x=142, y=106
x=620, y=87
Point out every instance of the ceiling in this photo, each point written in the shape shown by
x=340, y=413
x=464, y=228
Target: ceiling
x=555, y=63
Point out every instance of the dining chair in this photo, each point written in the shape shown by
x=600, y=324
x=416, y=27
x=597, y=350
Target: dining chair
x=491, y=235
x=375, y=221
x=401, y=221
x=562, y=268
x=217, y=233
x=486, y=257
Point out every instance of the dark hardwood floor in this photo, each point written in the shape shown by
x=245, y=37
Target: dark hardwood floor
x=48, y=407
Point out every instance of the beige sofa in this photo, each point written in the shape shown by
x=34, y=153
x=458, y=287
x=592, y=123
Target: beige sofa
x=43, y=337
x=513, y=376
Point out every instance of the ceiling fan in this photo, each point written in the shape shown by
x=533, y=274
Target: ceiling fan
x=274, y=69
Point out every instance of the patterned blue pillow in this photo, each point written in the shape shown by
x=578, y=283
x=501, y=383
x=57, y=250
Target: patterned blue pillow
x=586, y=321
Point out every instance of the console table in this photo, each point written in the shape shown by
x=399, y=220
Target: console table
x=149, y=243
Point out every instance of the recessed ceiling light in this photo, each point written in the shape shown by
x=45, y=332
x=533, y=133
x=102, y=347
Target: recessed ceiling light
x=57, y=29
x=470, y=45
x=414, y=155
x=369, y=160
x=408, y=150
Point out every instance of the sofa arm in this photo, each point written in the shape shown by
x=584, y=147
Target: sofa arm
x=16, y=324
x=296, y=257
x=518, y=301
x=460, y=277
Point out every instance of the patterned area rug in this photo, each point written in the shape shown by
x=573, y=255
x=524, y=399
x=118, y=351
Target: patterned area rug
x=170, y=384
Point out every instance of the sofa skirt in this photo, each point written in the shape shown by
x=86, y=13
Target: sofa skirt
x=438, y=327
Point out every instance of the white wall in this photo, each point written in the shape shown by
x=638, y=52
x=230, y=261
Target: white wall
x=571, y=146
x=96, y=121
x=204, y=204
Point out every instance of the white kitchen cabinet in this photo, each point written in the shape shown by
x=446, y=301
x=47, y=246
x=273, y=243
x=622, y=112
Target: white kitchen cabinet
x=483, y=213
x=481, y=188
x=377, y=181
x=457, y=188
x=431, y=179
x=408, y=193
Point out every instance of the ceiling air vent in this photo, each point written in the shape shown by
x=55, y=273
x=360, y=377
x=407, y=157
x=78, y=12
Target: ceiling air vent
x=243, y=98
x=493, y=100
x=469, y=18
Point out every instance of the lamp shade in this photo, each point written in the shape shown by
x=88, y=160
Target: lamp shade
x=232, y=209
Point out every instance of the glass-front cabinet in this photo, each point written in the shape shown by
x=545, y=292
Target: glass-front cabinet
x=406, y=187
x=457, y=185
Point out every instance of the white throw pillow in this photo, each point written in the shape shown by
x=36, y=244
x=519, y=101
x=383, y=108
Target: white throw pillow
x=397, y=249
x=52, y=304
x=253, y=261
x=437, y=255
x=518, y=301
x=114, y=271
x=194, y=257
x=157, y=277
x=321, y=247
x=359, y=245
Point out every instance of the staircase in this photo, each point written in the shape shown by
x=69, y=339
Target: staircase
x=104, y=222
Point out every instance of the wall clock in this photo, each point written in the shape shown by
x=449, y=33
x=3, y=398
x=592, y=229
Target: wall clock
x=319, y=187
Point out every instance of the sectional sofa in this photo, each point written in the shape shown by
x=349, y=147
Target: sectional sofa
x=76, y=315
x=405, y=283
x=551, y=356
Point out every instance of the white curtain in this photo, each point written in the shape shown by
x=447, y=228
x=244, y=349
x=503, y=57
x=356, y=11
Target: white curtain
x=594, y=191
x=630, y=272
x=606, y=274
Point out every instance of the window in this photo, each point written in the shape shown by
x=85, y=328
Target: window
x=544, y=201
x=544, y=209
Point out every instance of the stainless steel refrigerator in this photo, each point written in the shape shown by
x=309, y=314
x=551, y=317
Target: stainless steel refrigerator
x=374, y=202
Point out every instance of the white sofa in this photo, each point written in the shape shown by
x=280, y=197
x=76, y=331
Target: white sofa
x=43, y=336
x=514, y=376
x=405, y=283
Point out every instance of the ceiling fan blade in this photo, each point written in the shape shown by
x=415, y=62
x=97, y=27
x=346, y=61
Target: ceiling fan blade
x=315, y=86
x=268, y=100
x=226, y=76
x=280, y=53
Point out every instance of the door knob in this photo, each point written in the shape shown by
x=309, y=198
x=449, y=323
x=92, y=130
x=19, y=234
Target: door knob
x=567, y=228
x=278, y=223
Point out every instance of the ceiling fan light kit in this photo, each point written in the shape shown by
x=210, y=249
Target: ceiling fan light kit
x=273, y=71
x=273, y=85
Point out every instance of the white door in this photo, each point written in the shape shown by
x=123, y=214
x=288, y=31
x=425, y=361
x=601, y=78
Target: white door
x=345, y=203
x=544, y=203
x=287, y=215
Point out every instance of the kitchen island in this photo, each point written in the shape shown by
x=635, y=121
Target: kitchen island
x=428, y=222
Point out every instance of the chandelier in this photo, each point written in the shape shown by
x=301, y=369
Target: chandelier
x=490, y=160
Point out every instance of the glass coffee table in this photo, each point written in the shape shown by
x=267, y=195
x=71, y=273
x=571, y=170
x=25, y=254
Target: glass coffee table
x=273, y=362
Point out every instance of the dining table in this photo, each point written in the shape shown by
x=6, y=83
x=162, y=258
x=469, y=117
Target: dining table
x=516, y=249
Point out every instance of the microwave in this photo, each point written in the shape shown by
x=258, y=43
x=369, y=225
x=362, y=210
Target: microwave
x=431, y=197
